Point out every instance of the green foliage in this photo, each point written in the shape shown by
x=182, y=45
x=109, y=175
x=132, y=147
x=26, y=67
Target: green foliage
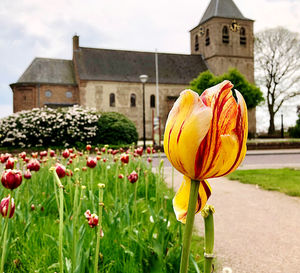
x=251, y=93
x=115, y=128
x=283, y=180
x=295, y=131
x=147, y=242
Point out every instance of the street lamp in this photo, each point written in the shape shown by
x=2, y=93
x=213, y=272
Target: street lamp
x=143, y=79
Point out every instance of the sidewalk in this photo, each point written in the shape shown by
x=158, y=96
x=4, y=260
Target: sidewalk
x=256, y=231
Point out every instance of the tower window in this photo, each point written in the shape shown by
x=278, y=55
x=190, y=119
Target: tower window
x=132, y=100
x=152, y=101
x=207, y=39
x=112, y=100
x=225, y=35
x=243, y=39
x=196, y=43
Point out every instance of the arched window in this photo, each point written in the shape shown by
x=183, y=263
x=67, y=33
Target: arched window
x=207, y=39
x=225, y=35
x=112, y=100
x=152, y=101
x=132, y=100
x=243, y=40
x=196, y=43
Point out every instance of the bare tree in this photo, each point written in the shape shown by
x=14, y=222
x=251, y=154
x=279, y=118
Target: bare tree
x=277, y=60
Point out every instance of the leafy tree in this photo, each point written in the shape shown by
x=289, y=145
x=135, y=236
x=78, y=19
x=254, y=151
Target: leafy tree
x=277, y=59
x=252, y=94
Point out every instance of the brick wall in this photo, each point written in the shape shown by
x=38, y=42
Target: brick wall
x=26, y=97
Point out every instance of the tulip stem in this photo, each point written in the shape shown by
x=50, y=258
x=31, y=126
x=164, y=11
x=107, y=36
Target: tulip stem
x=5, y=234
x=101, y=187
x=188, y=231
x=75, y=217
x=207, y=214
x=61, y=222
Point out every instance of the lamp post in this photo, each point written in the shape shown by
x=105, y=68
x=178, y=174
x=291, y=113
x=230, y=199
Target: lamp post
x=143, y=79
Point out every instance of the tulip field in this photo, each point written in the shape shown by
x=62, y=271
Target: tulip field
x=97, y=210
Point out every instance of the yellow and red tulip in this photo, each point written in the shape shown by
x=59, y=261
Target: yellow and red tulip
x=205, y=136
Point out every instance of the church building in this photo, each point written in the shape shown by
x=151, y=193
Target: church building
x=108, y=80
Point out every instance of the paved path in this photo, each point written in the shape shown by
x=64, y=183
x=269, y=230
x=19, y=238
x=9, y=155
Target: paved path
x=256, y=231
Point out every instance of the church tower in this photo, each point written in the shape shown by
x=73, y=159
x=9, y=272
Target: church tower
x=225, y=38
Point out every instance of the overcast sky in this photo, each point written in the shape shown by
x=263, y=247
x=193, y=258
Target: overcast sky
x=35, y=28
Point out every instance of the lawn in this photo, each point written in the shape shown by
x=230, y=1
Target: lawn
x=284, y=180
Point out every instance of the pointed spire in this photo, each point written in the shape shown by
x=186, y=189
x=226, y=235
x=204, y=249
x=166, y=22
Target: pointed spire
x=222, y=8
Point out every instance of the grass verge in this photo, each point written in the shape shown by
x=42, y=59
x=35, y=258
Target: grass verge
x=284, y=180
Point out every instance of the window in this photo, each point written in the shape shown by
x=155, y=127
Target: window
x=207, y=39
x=196, y=43
x=152, y=101
x=132, y=100
x=69, y=94
x=225, y=35
x=112, y=100
x=48, y=93
x=243, y=36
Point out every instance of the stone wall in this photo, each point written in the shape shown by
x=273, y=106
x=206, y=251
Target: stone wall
x=96, y=94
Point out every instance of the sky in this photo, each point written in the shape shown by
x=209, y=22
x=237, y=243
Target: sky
x=35, y=28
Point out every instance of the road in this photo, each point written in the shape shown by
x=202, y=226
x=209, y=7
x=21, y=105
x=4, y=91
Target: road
x=261, y=159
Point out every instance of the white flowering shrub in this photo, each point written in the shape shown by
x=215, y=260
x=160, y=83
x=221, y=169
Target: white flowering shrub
x=49, y=127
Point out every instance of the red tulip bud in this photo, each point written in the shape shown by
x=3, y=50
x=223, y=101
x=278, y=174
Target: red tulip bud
x=34, y=165
x=10, y=163
x=88, y=147
x=27, y=174
x=43, y=153
x=66, y=153
x=140, y=151
x=124, y=158
x=4, y=206
x=52, y=153
x=84, y=169
x=133, y=177
x=149, y=159
x=91, y=162
x=22, y=155
x=121, y=176
x=93, y=220
x=11, y=179
x=60, y=170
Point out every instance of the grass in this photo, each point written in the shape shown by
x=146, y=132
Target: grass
x=140, y=235
x=283, y=180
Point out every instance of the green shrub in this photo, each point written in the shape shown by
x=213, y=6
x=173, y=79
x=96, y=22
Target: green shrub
x=295, y=131
x=115, y=128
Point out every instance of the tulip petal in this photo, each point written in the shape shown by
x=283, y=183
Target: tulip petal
x=187, y=124
x=181, y=199
x=224, y=146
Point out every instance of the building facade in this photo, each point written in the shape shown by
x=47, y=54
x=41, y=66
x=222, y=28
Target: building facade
x=108, y=80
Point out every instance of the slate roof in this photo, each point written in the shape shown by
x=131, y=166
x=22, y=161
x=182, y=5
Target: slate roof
x=222, y=8
x=126, y=66
x=51, y=71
